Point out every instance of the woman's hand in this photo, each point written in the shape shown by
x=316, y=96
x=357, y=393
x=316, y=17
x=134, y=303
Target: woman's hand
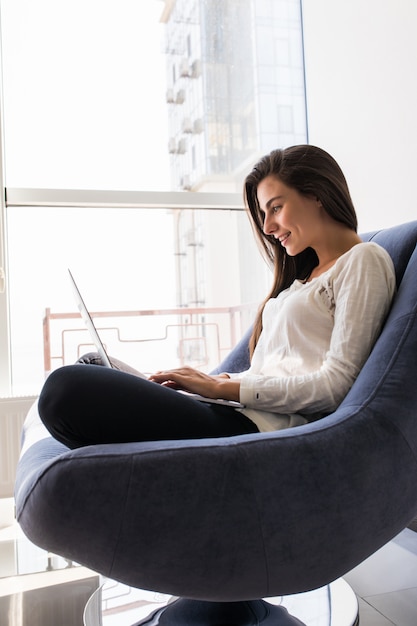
x=189, y=379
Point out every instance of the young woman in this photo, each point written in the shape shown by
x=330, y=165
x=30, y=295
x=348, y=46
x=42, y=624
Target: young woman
x=329, y=299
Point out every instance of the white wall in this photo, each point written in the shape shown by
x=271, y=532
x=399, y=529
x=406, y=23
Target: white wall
x=361, y=76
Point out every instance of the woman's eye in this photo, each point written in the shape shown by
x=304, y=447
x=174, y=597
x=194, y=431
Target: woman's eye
x=275, y=209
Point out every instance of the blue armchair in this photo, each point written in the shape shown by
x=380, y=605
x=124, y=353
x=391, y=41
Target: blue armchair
x=233, y=519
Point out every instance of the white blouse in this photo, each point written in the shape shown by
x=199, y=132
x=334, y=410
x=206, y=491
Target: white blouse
x=316, y=337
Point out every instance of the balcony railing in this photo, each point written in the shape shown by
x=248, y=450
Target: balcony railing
x=199, y=336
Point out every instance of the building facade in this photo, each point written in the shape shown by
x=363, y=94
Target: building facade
x=235, y=76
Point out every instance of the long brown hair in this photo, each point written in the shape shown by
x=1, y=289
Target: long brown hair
x=313, y=173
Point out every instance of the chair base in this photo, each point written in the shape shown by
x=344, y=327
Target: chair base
x=336, y=603
x=184, y=612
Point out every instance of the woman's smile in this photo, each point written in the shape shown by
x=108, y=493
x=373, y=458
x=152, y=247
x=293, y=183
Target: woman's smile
x=283, y=238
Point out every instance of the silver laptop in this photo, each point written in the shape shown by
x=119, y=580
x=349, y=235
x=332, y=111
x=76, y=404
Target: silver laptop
x=95, y=338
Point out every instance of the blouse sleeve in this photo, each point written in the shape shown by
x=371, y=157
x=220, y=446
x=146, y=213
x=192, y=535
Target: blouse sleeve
x=363, y=286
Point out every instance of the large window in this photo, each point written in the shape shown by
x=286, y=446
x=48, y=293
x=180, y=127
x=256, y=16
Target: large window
x=128, y=129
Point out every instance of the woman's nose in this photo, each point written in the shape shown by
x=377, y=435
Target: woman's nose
x=270, y=225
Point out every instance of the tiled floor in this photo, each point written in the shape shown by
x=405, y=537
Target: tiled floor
x=386, y=583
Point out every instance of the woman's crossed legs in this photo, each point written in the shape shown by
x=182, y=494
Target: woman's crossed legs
x=83, y=405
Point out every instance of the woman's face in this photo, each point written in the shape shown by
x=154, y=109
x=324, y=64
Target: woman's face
x=293, y=219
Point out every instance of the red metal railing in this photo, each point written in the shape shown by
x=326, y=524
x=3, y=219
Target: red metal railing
x=221, y=327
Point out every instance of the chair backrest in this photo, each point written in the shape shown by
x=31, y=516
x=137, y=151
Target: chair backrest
x=399, y=241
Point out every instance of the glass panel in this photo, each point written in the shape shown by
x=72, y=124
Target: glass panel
x=149, y=95
x=235, y=87
x=84, y=94
x=169, y=286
